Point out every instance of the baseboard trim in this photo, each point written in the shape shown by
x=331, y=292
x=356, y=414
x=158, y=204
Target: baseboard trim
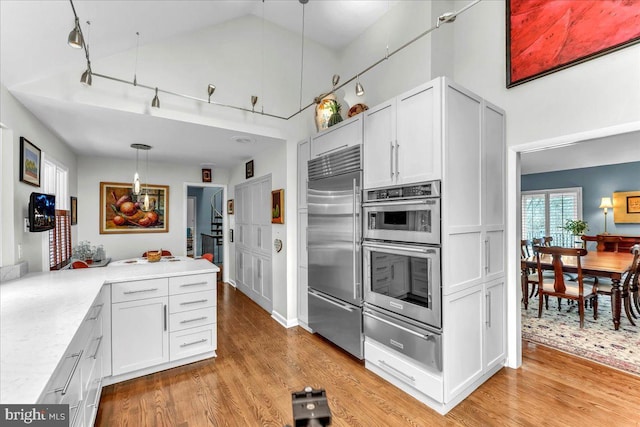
x=283, y=320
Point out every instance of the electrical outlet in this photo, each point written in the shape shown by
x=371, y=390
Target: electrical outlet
x=26, y=225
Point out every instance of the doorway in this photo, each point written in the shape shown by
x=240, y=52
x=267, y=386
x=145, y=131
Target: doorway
x=205, y=223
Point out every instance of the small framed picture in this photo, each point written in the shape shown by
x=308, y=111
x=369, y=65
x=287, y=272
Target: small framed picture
x=230, y=206
x=249, y=169
x=206, y=175
x=277, y=207
x=30, y=159
x=74, y=210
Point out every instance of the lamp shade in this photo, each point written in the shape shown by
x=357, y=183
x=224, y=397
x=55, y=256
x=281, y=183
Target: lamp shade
x=75, y=36
x=605, y=203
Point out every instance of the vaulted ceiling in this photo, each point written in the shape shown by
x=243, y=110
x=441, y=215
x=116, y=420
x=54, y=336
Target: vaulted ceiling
x=43, y=72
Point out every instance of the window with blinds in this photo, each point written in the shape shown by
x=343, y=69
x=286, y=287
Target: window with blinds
x=60, y=241
x=544, y=213
x=55, y=181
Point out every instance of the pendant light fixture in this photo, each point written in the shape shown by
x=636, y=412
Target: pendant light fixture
x=359, y=88
x=136, y=187
x=155, y=102
x=145, y=202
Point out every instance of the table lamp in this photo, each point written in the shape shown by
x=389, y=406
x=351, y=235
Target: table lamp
x=604, y=204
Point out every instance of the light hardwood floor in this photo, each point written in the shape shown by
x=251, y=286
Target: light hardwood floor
x=260, y=363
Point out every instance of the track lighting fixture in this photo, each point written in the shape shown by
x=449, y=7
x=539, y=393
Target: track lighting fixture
x=359, y=88
x=75, y=36
x=86, y=76
x=76, y=40
x=155, y=102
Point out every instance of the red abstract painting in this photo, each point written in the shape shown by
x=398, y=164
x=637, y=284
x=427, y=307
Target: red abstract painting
x=544, y=36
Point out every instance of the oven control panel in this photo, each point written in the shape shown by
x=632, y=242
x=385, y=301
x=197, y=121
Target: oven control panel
x=427, y=189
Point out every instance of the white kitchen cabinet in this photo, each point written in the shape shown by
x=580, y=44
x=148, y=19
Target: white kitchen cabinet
x=402, y=138
x=140, y=334
x=494, y=324
x=473, y=205
x=337, y=137
x=77, y=379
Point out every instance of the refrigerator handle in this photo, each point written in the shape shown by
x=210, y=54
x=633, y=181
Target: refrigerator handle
x=355, y=236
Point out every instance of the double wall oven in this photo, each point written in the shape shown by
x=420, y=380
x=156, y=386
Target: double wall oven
x=402, y=270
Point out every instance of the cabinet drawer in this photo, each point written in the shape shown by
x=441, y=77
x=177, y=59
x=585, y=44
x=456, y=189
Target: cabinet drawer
x=64, y=386
x=192, y=318
x=192, y=341
x=193, y=283
x=398, y=367
x=92, y=396
x=139, y=289
x=344, y=135
x=191, y=301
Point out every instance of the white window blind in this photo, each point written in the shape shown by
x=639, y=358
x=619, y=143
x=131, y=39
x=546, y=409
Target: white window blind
x=544, y=213
x=55, y=181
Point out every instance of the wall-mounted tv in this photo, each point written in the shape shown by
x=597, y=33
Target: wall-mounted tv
x=42, y=212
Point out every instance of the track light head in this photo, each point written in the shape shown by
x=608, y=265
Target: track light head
x=155, y=102
x=359, y=88
x=86, y=77
x=75, y=36
x=254, y=99
x=335, y=80
x=210, y=89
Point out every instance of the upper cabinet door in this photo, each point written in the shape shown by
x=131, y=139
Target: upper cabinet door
x=494, y=165
x=418, y=136
x=342, y=135
x=379, y=145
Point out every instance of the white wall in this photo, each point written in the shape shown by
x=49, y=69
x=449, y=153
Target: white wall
x=94, y=170
x=22, y=123
x=599, y=93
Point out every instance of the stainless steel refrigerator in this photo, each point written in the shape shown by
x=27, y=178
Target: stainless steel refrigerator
x=334, y=235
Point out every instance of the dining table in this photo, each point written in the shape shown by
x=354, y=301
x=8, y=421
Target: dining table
x=611, y=265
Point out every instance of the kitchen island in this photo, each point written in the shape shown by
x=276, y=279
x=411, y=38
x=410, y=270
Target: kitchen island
x=42, y=314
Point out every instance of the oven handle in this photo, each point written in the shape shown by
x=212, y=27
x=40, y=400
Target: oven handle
x=395, y=325
x=382, y=246
x=400, y=202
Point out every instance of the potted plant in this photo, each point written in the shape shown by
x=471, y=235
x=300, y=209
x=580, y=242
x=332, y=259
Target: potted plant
x=576, y=227
x=335, y=117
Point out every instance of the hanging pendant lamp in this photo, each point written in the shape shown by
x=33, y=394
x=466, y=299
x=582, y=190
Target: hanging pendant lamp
x=136, y=186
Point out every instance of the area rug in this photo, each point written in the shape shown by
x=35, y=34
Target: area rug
x=597, y=341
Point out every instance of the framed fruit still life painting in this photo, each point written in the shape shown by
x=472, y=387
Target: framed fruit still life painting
x=545, y=36
x=277, y=206
x=121, y=211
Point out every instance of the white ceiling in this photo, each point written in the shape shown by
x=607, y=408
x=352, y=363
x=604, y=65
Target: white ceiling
x=623, y=148
x=32, y=48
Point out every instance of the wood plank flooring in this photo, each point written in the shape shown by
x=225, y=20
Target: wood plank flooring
x=260, y=363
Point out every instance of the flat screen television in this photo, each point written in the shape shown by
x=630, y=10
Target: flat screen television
x=42, y=212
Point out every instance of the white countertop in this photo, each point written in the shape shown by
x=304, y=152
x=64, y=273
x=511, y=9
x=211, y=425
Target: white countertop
x=41, y=312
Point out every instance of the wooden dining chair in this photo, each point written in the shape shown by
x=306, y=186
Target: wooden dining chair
x=609, y=243
x=585, y=239
x=529, y=275
x=164, y=253
x=547, y=240
x=630, y=284
x=559, y=287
